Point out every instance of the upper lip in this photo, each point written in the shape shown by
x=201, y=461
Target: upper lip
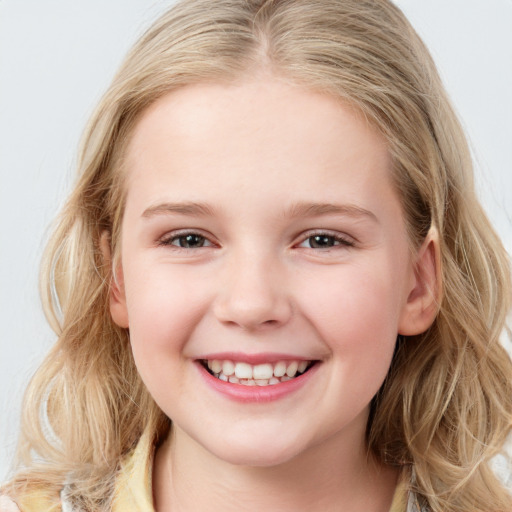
x=253, y=359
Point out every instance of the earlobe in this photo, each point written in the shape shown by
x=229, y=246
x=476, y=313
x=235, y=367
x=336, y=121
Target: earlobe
x=425, y=295
x=117, y=298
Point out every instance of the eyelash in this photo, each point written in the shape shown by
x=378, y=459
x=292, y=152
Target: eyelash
x=336, y=240
x=167, y=240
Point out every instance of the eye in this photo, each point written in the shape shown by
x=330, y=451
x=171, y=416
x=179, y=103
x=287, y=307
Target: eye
x=325, y=241
x=186, y=241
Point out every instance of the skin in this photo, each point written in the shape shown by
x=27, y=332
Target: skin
x=254, y=153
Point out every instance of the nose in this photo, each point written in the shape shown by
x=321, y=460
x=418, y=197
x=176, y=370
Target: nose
x=253, y=294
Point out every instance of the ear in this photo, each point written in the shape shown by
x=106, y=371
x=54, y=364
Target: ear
x=424, y=295
x=118, y=309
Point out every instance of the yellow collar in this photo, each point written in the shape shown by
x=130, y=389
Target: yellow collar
x=133, y=491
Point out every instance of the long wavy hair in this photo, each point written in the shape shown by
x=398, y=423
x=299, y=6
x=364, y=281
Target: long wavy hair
x=445, y=408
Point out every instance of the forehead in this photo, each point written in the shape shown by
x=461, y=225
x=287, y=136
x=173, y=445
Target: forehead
x=262, y=137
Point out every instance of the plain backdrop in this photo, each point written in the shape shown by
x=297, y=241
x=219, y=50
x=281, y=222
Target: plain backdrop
x=56, y=59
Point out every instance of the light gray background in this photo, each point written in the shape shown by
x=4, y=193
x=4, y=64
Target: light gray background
x=56, y=58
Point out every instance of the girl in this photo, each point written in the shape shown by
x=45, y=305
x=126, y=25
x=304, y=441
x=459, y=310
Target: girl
x=273, y=285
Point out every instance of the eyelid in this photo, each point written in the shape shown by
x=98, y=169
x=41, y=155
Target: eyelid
x=166, y=239
x=345, y=241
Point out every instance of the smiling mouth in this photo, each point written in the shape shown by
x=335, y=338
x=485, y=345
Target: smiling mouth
x=266, y=374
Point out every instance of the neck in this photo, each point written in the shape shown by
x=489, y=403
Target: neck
x=187, y=477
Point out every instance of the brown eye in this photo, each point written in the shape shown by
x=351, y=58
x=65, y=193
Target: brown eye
x=322, y=241
x=189, y=241
x=326, y=241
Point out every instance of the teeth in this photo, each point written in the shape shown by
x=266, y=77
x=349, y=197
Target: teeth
x=292, y=368
x=262, y=371
x=302, y=366
x=279, y=369
x=216, y=366
x=265, y=374
x=228, y=368
x=243, y=370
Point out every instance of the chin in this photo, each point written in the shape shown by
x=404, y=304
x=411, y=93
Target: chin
x=257, y=451
x=256, y=458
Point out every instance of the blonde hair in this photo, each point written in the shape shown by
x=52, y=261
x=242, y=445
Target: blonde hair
x=445, y=407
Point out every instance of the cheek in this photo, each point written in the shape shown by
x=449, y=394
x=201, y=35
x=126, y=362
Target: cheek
x=163, y=309
x=356, y=313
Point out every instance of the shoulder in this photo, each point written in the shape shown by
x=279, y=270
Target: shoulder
x=7, y=505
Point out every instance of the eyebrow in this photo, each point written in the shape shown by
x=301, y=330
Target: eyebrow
x=318, y=209
x=301, y=209
x=185, y=208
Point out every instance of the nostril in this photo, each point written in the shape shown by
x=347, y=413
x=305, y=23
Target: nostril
x=249, y=301
x=250, y=321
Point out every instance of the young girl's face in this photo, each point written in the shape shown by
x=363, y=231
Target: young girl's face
x=262, y=231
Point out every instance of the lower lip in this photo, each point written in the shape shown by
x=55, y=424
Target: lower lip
x=254, y=394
